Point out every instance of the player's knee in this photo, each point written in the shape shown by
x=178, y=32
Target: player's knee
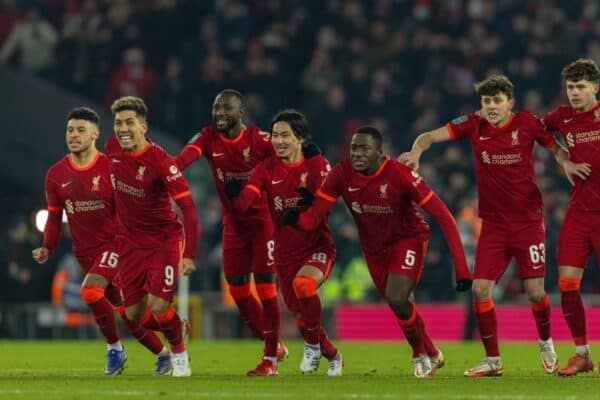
x=133, y=315
x=481, y=292
x=91, y=294
x=239, y=292
x=157, y=307
x=536, y=296
x=397, y=298
x=304, y=286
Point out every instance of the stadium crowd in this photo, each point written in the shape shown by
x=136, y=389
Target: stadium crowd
x=404, y=66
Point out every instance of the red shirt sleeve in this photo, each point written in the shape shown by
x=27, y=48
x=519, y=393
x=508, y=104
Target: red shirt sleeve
x=326, y=197
x=55, y=210
x=179, y=191
x=191, y=152
x=253, y=188
x=463, y=127
x=438, y=210
x=551, y=120
x=543, y=136
x=265, y=145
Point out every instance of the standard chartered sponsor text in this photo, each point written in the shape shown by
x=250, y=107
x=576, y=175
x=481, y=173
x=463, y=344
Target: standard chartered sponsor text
x=506, y=158
x=88, y=205
x=125, y=188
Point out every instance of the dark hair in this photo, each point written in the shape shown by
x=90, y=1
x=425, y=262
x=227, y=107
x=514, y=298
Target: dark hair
x=235, y=93
x=130, y=103
x=582, y=69
x=84, y=113
x=297, y=122
x=371, y=131
x=495, y=84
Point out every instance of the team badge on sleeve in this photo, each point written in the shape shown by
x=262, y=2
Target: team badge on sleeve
x=459, y=120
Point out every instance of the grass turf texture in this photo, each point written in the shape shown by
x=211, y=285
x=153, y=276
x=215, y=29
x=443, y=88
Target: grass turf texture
x=73, y=370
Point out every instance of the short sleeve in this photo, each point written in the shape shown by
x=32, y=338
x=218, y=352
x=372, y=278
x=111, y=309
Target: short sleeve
x=173, y=179
x=415, y=186
x=463, y=127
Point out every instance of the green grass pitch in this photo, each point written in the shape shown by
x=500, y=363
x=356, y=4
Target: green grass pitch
x=64, y=370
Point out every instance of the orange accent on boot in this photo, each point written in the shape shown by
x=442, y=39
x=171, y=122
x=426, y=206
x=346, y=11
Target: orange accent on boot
x=91, y=294
x=481, y=307
x=568, y=284
x=266, y=291
x=542, y=305
x=410, y=321
x=304, y=286
x=166, y=316
x=239, y=292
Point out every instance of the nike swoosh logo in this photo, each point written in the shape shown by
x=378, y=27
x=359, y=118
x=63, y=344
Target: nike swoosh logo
x=566, y=121
x=218, y=154
x=166, y=290
x=484, y=137
x=487, y=337
x=277, y=182
x=537, y=266
x=405, y=267
x=269, y=263
x=66, y=184
x=351, y=189
x=115, y=160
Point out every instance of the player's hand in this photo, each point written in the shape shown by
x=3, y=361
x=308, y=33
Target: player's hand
x=580, y=170
x=410, y=159
x=40, y=255
x=463, y=285
x=233, y=188
x=187, y=266
x=290, y=217
x=310, y=150
x=307, y=197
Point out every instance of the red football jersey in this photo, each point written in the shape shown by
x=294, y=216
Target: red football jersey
x=86, y=195
x=232, y=159
x=280, y=181
x=581, y=132
x=384, y=205
x=504, y=165
x=144, y=184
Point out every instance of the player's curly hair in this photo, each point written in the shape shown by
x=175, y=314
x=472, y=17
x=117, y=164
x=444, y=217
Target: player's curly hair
x=373, y=132
x=130, y=103
x=495, y=84
x=582, y=69
x=84, y=113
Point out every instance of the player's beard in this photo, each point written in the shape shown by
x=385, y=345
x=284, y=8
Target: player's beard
x=228, y=127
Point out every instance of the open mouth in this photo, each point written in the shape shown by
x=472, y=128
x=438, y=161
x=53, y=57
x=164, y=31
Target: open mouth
x=221, y=123
x=126, y=139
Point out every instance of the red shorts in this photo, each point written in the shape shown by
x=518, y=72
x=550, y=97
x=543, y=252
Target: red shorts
x=143, y=271
x=580, y=233
x=98, y=261
x=321, y=259
x=254, y=254
x=404, y=257
x=499, y=243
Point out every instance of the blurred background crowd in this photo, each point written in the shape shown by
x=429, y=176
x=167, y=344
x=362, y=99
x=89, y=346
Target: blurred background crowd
x=405, y=66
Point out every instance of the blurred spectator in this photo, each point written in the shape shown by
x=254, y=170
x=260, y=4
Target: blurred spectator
x=32, y=41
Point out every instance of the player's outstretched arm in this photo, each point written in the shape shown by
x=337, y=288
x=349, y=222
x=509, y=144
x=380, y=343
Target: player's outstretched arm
x=188, y=155
x=438, y=210
x=571, y=169
x=421, y=144
x=190, y=226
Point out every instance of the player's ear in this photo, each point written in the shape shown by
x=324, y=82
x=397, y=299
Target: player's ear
x=596, y=87
x=511, y=103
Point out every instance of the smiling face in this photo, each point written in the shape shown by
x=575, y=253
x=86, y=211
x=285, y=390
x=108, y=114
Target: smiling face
x=496, y=109
x=287, y=146
x=130, y=131
x=227, y=113
x=582, y=94
x=81, y=135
